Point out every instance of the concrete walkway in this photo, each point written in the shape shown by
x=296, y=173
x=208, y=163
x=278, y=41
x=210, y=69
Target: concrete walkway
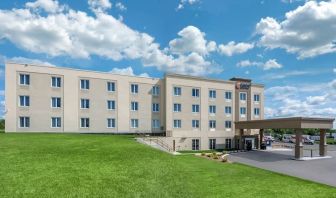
x=322, y=171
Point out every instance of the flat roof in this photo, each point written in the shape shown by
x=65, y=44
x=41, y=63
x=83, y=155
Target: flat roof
x=287, y=123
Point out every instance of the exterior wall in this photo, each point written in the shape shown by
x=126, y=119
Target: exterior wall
x=40, y=111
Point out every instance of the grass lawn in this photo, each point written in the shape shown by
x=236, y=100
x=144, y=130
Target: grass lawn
x=74, y=165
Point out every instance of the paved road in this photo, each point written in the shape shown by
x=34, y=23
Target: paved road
x=322, y=171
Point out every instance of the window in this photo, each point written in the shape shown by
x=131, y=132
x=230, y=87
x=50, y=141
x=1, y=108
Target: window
x=111, y=123
x=228, y=144
x=155, y=107
x=195, y=144
x=84, y=84
x=111, y=105
x=242, y=96
x=85, y=103
x=242, y=110
x=56, y=82
x=195, y=93
x=228, y=95
x=156, y=90
x=55, y=102
x=228, y=110
x=177, y=91
x=177, y=107
x=134, y=88
x=156, y=124
x=212, y=94
x=110, y=86
x=195, y=124
x=256, y=97
x=228, y=124
x=84, y=122
x=177, y=123
x=212, y=124
x=134, y=106
x=56, y=122
x=195, y=108
x=24, y=101
x=24, y=122
x=24, y=79
x=256, y=111
x=134, y=123
x=212, y=144
x=212, y=109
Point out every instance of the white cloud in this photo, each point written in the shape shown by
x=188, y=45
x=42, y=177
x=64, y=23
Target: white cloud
x=99, y=5
x=29, y=61
x=2, y=92
x=308, y=31
x=182, y=3
x=232, y=48
x=127, y=71
x=191, y=40
x=120, y=6
x=334, y=70
x=50, y=6
x=270, y=64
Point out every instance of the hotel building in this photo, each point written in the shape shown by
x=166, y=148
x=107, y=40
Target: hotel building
x=193, y=113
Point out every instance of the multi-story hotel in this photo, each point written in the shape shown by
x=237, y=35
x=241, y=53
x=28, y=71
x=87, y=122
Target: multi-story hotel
x=193, y=113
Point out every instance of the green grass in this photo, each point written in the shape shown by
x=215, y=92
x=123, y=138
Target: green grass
x=70, y=165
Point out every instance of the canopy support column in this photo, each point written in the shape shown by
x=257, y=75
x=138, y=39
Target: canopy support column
x=261, y=137
x=298, y=144
x=323, y=143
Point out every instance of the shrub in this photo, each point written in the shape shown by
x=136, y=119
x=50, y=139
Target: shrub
x=202, y=154
x=215, y=157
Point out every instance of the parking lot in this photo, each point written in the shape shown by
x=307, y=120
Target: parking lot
x=322, y=170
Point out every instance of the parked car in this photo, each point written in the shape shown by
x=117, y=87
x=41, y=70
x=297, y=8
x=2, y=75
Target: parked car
x=308, y=141
x=269, y=138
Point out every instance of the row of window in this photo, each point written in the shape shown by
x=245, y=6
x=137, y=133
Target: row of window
x=56, y=122
x=196, y=124
x=195, y=144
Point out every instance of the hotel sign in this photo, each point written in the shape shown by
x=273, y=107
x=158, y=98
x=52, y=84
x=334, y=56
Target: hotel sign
x=243, y=85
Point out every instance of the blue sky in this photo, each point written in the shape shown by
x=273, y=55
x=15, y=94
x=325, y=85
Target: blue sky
x=288, y=45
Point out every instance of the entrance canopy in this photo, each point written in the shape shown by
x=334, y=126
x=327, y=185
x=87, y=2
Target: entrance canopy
x=287, y=123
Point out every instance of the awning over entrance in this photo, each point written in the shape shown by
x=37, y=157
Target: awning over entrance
x=297, y=123
x=287, y=123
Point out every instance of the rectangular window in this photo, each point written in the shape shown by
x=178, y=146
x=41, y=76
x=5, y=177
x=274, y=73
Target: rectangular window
x=228, y=110
x=84, y=84
x=195, y=124
x=177, y=123
x=56, y=122
x=212, y=124
x=228, y=144
x=228, y=124
x=195, y=144
x=195, y=93
x=212, y=94
x=111, y=105
x=24, y=101
x=177, y=107
x=85, y=122
x=56, y=82
x=24, y=122
x=134, y=106
x=111, y=123
x=110, y=86
x=242, y=110
x=56, y=102
x=156, y=90
x=228, y=95
x=155, y=107
x=134, y=88
x=156, y=124
x=134, y=123
x=177, y=91
x=212, y=144
x=242, y=96
x=195, y=108
x=212, y=109
x=85, y=103
x=256, y=111
x=256, y=97
x=24, y=79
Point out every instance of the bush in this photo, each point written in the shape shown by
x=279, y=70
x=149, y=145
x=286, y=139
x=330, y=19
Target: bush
x=215, y=157
x=202, y=154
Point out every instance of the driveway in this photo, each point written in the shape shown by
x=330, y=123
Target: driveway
x=322, y=170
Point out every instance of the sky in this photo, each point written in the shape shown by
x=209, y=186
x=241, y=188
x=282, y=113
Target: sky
x=287, y=45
